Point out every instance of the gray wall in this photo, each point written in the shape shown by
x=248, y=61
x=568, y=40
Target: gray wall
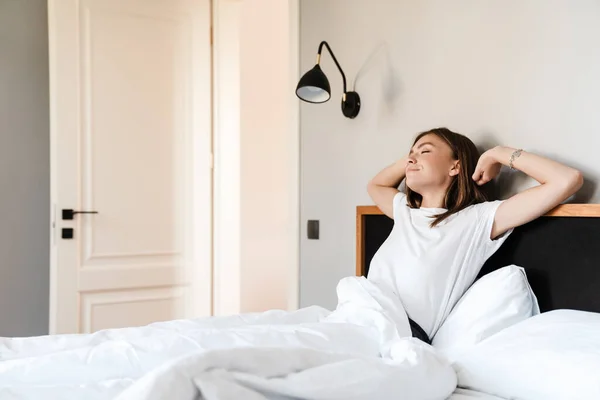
x=520, y=73
x=24, y=168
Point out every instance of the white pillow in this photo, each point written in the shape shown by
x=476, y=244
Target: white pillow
x=496, y=301
x=554, y=355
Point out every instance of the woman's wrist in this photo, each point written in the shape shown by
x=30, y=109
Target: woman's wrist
x=503, y=154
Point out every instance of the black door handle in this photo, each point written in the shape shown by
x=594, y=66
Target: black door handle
x=69, y=214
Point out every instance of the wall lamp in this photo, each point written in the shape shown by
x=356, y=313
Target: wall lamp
x=314, y=87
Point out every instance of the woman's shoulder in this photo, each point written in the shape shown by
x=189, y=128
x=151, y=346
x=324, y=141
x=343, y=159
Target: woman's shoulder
x=481, y=210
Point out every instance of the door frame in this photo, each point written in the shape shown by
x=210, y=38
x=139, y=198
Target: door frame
x=228, y=278
x=294, y=182
x=200, y=279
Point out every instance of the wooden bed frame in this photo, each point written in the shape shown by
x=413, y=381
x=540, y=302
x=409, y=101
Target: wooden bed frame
x=560, y=252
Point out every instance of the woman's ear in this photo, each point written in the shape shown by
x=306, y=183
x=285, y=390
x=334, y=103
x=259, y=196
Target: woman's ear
x=455, y=169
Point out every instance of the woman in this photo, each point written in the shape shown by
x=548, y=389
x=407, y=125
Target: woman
x=444, y=226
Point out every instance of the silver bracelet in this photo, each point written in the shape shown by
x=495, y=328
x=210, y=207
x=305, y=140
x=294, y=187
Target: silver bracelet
x=513, y=157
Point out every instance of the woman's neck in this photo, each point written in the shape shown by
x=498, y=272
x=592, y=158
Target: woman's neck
x=433, y=200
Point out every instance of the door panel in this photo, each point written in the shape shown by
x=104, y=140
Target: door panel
x=130, y=308
x=130, y=95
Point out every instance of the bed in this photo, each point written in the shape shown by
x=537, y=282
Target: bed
x=360, y=350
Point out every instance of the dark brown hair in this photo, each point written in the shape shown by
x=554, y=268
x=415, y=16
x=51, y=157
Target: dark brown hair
x=463, y=191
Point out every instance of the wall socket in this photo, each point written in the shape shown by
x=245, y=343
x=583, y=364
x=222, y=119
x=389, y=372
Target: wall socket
x=312, y=229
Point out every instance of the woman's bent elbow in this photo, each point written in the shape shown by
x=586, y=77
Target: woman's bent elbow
x=574, y=182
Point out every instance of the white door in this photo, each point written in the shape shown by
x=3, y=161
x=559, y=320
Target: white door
x=130, y=140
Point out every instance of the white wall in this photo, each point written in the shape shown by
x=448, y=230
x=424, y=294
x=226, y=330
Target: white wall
x=257, y=156
x=519, y=73
x=24, y=168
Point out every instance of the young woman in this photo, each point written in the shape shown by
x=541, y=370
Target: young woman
x=445, y=228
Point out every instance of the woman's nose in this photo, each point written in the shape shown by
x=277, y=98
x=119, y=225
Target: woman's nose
x=411, y=160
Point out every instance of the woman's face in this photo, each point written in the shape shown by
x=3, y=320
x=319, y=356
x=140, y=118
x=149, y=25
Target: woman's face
x=431, y=165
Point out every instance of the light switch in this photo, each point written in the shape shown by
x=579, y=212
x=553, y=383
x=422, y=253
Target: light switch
x=312, y=229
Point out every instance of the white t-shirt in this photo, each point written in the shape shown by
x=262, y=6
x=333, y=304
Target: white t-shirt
x=431, y=268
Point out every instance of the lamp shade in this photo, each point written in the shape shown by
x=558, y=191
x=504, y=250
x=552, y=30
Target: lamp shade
x=314, y=86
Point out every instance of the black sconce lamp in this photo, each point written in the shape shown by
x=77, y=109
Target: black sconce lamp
x=314, y=87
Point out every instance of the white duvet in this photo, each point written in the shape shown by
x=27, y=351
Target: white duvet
x=361, y=350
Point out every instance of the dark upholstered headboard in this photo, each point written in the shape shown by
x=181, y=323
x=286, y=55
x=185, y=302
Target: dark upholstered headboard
x=559, y=251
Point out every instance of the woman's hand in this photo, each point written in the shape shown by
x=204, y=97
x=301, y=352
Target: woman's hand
x=403, y=162
x=384, y=186
x=488, y=167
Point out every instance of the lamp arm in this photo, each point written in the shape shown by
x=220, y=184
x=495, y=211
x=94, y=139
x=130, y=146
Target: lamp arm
x=334, y=59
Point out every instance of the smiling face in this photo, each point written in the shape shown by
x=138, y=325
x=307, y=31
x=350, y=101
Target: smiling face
x=431, y=165
x=439, y=173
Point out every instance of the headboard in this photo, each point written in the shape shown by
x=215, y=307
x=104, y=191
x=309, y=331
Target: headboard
x=560, y=252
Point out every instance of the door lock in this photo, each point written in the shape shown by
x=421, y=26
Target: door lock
x=67, y=233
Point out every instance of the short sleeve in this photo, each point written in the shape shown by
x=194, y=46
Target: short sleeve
x=486, y=212
x=399, y=205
